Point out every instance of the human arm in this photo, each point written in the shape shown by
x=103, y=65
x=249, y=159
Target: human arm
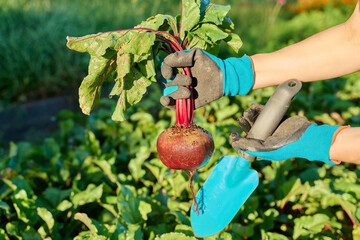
x=328, y=54
x=297, y=137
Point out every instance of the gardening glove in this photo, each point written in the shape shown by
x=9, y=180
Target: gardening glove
x=294, y=137
x=212, y=77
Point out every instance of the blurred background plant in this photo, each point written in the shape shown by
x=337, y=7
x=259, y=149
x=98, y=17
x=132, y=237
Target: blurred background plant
x=35, y=61
x=97, y=179
x=36, y=64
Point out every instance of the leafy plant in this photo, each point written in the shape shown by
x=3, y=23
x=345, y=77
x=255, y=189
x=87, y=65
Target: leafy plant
x=84, y=174
x=131, y=56
x=98, y=179
x=43, y=67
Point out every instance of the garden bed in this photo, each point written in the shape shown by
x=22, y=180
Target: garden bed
x=34, y=120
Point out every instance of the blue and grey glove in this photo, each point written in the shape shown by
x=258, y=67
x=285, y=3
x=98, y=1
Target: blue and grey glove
x=212, y=77
x=294, y=137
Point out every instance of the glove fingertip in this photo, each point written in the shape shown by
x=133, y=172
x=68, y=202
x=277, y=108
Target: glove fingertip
x=180, y=59
x=237, y=142
x=244, y=124
x=167, y=71
x=256, y=107
x=165, y=101
x=241, y=144
x=234, y=136
x=180, y=93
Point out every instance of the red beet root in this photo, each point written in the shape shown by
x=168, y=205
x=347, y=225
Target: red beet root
x=185, y=148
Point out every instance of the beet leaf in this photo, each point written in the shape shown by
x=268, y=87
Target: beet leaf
x=127, y=56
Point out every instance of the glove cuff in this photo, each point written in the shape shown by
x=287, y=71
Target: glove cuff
x=318, y=141
x=238, y=74
x=334, y=138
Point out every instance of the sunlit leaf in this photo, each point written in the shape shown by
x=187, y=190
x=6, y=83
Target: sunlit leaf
x=234, y=41
x=83, y=217
x=46, y=216
x=190, y=16
x=25, y=207
x=91, y=194
x=145, y=209
x=174, y=236
x=307, y=225
x=213, y=13
x=210, y=33
x=64, y=205
x=101, y=69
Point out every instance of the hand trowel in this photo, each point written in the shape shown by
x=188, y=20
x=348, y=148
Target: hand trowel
x=232, y=180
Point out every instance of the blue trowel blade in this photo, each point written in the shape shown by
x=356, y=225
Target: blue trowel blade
x=224, y=192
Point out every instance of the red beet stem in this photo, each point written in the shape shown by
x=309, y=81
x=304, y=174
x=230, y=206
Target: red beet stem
x=196, y=205
x=190, y=176
x=185, y=107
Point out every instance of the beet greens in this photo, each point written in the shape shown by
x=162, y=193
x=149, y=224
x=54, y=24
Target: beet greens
x=130, y=57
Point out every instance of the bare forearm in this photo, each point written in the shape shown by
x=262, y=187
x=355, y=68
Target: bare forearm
x=328, y=54
x=346, y=147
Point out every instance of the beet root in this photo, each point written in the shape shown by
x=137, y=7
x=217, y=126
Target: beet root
x=185, y=148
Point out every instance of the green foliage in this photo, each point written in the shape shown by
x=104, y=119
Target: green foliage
x=131, y=56
x=97, y=179
x=35, y=62
x=42, y=66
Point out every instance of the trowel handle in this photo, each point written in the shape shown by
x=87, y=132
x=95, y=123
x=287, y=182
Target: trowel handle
x=273, y=112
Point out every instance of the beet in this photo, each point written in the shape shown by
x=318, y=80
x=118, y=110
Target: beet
x=185, y=148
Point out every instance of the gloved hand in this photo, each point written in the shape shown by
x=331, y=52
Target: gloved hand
x=294, y=137
x=212, y=77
